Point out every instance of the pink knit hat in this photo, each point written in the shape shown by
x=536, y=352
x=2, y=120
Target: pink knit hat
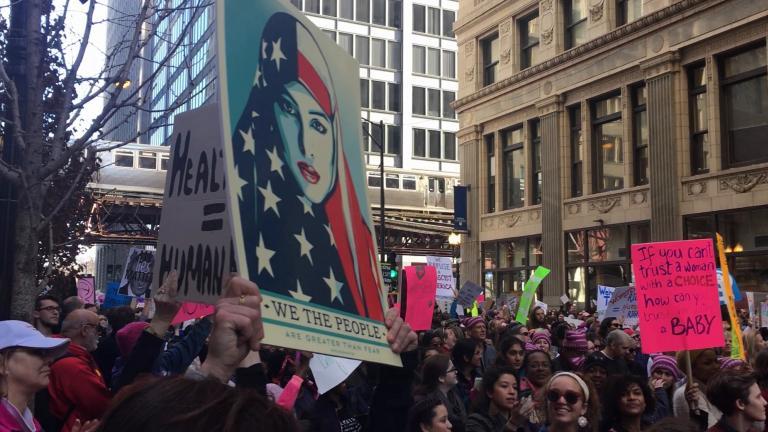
x=128, y=336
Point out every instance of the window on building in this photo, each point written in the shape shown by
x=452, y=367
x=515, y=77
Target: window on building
x=377, y=139
x=362, y=10
x=148, y=160
x=449, y=64
x=312, y=6
x=433, y=21
x=697, y=105
x=394, y=97
x=449, y=17
x=394, y=141
x=628, y=11
x=164, y=162
x=419, y=18
x=366, y=137
x=744, y=111
x=419, y=100
x=392, y=181
x=409, y=182
x=331, y=34
x=575, y=23
x=393, y=57
x=346, y=9
x=346, y=43
x=433, y=102
x=378, y=53
x=329, y=8
x=490, y=47
x=608, y=148
x=490, y=169
x=534, y=131
x=124, y=158
x=361, y=49
x=378, y=95
x=419, y=142
x=449, y=145
x=364, y=93
x=374, y=179
x=577, y=151
x=434, y=144
x=419, y=59
x=380, y=12
x=433, y=61
x=448, y=98
x=529, y=40
x=395, y=7
x=513, y=176
x=640, y=135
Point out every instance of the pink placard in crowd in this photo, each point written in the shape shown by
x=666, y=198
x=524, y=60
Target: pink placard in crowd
x=420, y=287
x=190, y=311
x=677, y=299
x=85, y=289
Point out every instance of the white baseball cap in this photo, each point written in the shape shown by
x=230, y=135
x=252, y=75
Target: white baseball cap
x=22, y=335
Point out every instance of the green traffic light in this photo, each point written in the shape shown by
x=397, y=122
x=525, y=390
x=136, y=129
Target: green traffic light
x=393, y=273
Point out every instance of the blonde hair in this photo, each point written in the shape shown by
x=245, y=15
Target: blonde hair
x=751, y=349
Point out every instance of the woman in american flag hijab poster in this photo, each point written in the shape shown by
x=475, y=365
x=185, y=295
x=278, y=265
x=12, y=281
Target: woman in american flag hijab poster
x=301, y=217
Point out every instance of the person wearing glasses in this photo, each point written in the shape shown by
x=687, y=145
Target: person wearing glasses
x=46, y=315
x=438, y=381
x=571, y=404
x=77, y=389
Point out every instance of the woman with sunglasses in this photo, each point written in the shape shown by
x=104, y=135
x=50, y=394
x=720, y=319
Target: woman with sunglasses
x=626, y=399
x=497, y=408
x=438, y=381
x=25, y=367
x=571, y=404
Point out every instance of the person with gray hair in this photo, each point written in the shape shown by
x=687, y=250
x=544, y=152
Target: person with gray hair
x=617, y=346
x=70, y=304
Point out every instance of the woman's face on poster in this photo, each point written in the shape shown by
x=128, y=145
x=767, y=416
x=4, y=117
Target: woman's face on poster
x=308, y=139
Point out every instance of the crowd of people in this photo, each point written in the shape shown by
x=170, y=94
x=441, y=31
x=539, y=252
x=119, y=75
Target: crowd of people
x=560, y=371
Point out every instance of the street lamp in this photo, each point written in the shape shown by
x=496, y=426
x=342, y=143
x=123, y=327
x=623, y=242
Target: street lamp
x=454, y=239
x=380, y=144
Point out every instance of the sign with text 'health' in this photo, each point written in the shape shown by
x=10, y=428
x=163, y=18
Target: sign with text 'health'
x=677, y=300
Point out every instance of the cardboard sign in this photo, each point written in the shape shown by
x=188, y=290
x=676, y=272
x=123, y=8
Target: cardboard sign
x=86, y=290
x=113, y=298
x=604, y=295
x=137, y=277
x=528, y=292
x=677, y=301
x=418, y=296
x=297, y=194
x=445, y=280
x=193, y=311
x=331, y=371
x=195, y=238
x=468, y=294
x=623, y=306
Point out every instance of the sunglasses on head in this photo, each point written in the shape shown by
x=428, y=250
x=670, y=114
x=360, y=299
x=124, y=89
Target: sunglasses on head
x=571, y=397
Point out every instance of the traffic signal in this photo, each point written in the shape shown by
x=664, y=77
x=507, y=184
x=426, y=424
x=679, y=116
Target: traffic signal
x=393, y=273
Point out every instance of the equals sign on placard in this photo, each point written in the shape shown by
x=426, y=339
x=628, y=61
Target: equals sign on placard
x=213, y=214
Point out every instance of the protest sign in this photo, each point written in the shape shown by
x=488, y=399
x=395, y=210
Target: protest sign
x=417, y=301
x=542, y=305
x=564, y=299
x=676, y=288
x=737, y=346
x=113, y=298
x=297, y=199
x=137, y=277
x=513, y=302
x=444, y=303
x=721, y=288
x=86, y=290
x=331, y=371
x=191, y=311
x=623, y=306
x=576, y=323
x=604, y=295
x=528, y=292
x=468, y=294
x=195, y=238
x=445, y=280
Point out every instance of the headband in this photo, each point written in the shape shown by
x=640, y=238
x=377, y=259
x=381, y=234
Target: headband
x=579, y=381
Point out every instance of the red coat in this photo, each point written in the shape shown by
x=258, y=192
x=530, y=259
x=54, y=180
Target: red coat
x=76, y=384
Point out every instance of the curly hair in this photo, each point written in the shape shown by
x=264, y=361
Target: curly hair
x=615, y=388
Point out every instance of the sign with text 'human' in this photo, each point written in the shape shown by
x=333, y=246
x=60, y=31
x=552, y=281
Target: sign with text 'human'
x=677, y=301
x=297, y=191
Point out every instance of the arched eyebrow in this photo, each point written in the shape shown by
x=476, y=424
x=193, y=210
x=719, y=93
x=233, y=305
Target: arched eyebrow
x=320, y=113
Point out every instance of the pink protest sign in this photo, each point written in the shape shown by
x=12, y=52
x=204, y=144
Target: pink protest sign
x=85, y=289
x=190, y=311
x=418, y=296
x=677, y=300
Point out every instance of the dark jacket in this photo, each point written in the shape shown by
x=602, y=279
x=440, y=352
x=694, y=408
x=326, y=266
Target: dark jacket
x=105, y=356
x=457, y=414
x=392, y=397
x=177, y=358
x=483, y=422
x=663, y=407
